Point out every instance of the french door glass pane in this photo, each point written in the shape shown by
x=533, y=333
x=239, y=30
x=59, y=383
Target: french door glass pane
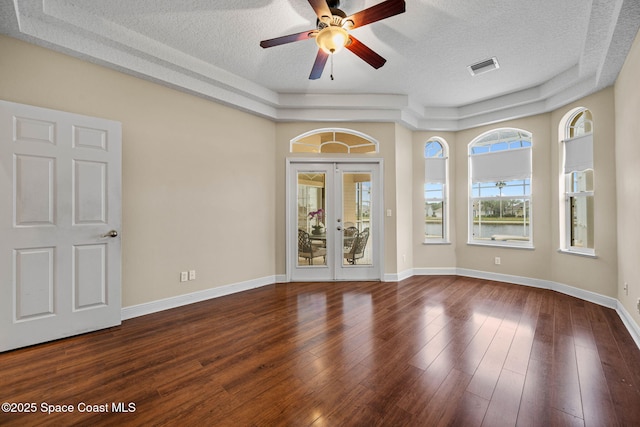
x=356, y=217
x=312, y=238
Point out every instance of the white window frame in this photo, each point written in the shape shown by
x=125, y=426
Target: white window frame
x=445, y=191
x=522, y=155
x=571, y=133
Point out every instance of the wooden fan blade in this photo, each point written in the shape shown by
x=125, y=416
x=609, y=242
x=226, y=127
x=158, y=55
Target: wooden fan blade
x=364, y=52
x=318, y=66
x=287, y=39
x=375, y=13
x=321, y=8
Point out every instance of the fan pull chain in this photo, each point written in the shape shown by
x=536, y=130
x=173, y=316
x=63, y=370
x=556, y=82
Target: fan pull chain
x=331, y=65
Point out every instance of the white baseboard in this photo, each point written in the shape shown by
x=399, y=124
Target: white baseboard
x=445, y=271
x=180, y=300
x=396, y=277
x=629, y=323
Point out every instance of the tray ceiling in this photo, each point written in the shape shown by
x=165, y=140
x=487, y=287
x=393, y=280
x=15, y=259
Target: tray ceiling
x=550, y=53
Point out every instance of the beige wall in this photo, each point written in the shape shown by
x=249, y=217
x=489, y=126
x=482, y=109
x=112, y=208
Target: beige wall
x=600, y=274
x=627, y=128
x=433, y=256
x=204, y=184
x=403, y=210
x=544, y=261
x=517, y=262
x=197, y=193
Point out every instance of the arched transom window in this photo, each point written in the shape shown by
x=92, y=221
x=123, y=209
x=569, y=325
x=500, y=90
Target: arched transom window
x=334, y=140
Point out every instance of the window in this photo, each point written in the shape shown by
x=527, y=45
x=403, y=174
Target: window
x=576, y=216
x=334, y=141
x=500, y=188
x=436, y=191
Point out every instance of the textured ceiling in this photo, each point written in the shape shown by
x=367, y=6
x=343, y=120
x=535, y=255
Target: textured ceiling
x=550, y=53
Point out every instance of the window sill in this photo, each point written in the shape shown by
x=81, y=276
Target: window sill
x=582, y=254
x=493, y=243
x=436, y=242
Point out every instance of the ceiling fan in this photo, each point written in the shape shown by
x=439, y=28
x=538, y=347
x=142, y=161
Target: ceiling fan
x=332, y=31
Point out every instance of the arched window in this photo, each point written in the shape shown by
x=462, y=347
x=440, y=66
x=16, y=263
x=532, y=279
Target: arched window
x=500, y=188
x=334, y=140
x=576, y=214
x=436, y=203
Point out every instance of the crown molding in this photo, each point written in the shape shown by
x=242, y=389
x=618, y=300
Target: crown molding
x=61, y=26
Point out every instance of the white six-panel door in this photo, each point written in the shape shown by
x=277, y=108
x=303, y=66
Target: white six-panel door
x=60, y=219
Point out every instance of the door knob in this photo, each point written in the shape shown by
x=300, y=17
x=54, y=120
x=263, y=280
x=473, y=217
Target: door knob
x=339, y=228
x=112, y=233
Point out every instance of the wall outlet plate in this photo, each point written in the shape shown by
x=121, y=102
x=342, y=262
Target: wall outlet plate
x=184, y=276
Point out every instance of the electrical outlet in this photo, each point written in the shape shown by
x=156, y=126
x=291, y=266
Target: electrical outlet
x=626, y=288
x=638, y=306
x=497, y=260
x=192, y=275
x=184, y=276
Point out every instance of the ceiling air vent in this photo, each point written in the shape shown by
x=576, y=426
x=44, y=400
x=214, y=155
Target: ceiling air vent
x=483, y=66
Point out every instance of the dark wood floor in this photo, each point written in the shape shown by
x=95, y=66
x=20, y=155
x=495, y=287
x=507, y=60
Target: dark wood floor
x=423, y=352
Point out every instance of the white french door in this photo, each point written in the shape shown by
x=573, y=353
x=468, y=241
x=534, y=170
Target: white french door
x=60, y=218
x=334, y=215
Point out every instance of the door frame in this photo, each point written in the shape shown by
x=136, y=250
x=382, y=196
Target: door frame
x=378, y=210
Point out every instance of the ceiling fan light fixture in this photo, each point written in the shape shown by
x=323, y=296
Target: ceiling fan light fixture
x=332, y=39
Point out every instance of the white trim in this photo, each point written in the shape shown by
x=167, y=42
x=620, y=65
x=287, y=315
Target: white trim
x=198, y=296
x=585, y=253
x=291, y=162
x=445, y=271
x=502, y=244
x=397, y=277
